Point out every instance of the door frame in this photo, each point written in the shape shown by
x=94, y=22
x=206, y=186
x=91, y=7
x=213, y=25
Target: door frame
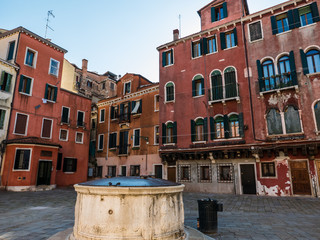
x=239, y=175
x=44, y=160
x=309, y=174
x=176, y=172
x=154, y=169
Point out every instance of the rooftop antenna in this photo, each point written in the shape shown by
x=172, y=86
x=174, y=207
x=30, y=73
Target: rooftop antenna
x=179, y=25
x=47, y=25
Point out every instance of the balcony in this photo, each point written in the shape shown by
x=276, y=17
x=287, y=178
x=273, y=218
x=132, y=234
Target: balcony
x=125, y=117
x=277, y=82
x=224, y=93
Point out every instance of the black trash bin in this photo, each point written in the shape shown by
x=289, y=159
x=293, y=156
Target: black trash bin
x=208, y=220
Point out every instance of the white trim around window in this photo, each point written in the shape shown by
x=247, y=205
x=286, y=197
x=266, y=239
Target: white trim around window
x=104, y=115
x=84, y=116
x=81, y=142
x=50, y=128
x=14, y=160
x=65, y=140
x=35, y=57
x=133, y=136
x=249, y=35
x=155, y=135
x=155, y=102
x=98, y=148
x=15, y=123
x=50, y=65
x=165, y=92
x=124, y=87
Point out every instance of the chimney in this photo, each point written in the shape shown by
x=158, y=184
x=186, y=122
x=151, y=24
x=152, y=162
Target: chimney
x=175, y=35
x=84, y=67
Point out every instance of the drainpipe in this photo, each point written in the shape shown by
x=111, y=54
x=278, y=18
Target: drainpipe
x=108, y=133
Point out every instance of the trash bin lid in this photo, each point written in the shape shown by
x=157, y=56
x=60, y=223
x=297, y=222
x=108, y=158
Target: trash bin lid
x=142, y=181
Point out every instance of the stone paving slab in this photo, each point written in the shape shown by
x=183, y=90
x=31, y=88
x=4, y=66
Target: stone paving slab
x=39, y=215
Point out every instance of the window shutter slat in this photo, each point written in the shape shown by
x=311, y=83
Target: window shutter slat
x=112, y=112
x=225, y=10
x=241, y=125
x=175, y=134
x=274, y=25
x=171, y=55
x=140, y=107
x=304, y=62
x=315, y=12
x=193, y=130
x=213, y=14
x=164, y=133
x=235, y=36
x=28, y=87
x=223, y=40
x=133, y=104
x=46, y=91
x=293, y=68
x=2, y=77
x=193, y=88
x=164, y=59
x=7, y=89
x=202, y=86
x=2, y=114
x=291, y=19
x=55, y=94
x=226, y=126
x=260, y=75
x=21, y=83
x=296, y=18
x=205, y=129
x=204, y=46
x=212, y=129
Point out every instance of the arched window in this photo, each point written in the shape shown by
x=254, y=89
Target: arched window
x=292, y=120
x=268, y=74
x=313, y=60
x=199, y=129
x=230, y=82
x=169, y=132
x=234, y=126
x=274, y=123
x=169, y=92
x=197, y=86
x=219, y=127
x=216, y=83
x=317, y=114
x=284, y=70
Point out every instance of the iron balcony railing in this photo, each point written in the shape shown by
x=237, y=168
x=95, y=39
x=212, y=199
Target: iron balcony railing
x=277, y=82
x=217, y=93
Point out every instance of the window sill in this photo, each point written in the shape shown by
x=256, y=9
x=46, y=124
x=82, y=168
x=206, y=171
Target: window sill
x=169, y=144
x=26, y=94
x=63, y=140
x=197, y=142
x=45, y=138
x=279, y=89
x=230, y=48
x=192, y=58
x=136, y=147
x=21, y=170
x=47, y=100
x=282, y=33
x=65, y=123
x=173, y=101
x=79, y=142
x=123, y=155
x=136, y=115
x=112, y=149
x=20, y=134
x=205, y=181
x=255, y=41
x=198, y=96
x=31, y=66
x=261, y=177
x=224, y=100
x=68, y=172
x=309, y=25
x=169, y=65
x=208, y=54
x=54, y=75
x=113, y=120
x=156, y=110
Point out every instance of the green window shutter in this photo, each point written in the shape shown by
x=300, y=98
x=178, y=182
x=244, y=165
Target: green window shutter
x=21, y=83
x=235, y=36
x=226, y=126
x=223, y=40
x=193, y=131
x=2, y=115
x=114, y=139
x=315, y=12
x=175, y=134
x=260, y=75
x=2, y=77
x=46, y=91
x=133, y=104
x=129, y=113
x=171, y=56
x=212, y=129
x=192, y=50
x=7, y=89
x=193, y=88
x=164, y=133
x=140, y=107
x=213, y=14
x=164, y=59
x=225, y=10
x=293, y=68
x=202, y=86
x=274, y=25
x=304, y=62
x=205, y=129
x=55, y=94
x=11, y=49
x=204, y=46
x=296, y=18
x=28, y=86
x=241, y=125
x=121, y=108
x=291, y=19
x=112, y=112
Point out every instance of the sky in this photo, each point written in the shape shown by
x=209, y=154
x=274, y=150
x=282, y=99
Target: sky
x=118, y=36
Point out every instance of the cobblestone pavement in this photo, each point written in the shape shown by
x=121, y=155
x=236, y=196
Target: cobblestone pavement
x=39, y=215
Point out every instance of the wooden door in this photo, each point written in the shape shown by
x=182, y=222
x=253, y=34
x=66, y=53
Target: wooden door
x=172, y=174
x=300, y=178
x=318, y=170
x=248, y=179
x=158, y=171
x=44, y=173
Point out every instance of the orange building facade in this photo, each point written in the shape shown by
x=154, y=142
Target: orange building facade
x=128, y=130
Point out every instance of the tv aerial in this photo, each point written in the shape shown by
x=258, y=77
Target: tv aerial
x=47, y=25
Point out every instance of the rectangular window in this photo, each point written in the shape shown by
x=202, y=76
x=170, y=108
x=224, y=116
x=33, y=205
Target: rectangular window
x=102, y=115
x=103, y=85
x=282, y=23
x=127, y=88
x=136, y=107
x=65, y=115
x=124, y=112
x=219, y=12
x=114, y=112
x=255, y=31
x=100, y=141
x=80, y=119
x=123, y=142
x=51, y=93
x=156, y=135
x=184, y=173
x=111, y=86
x=167, y=58
x=31, y=57
x=79, y=137
x=156, y=103
x=112, y=140
x=5, y=81
x=46, y=128
x=112, y=171
x=204, y=173
x=225, y=172
x=63, y=136
x=212, y=44
x=135, y=170
x=21, y=124
x=305, y=15
x=54, y=67
x=230, y=40
x=69, y=165
x=268, y=169
x=2, y=118
x=11, y=50
x=22, y=159
x=123, y=171
x=196, y=49
x=25, y=85
x=136, y=137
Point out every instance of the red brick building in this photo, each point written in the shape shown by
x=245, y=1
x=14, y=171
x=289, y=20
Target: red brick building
x=241, y=132
x=128, y=130
x=48, y=137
